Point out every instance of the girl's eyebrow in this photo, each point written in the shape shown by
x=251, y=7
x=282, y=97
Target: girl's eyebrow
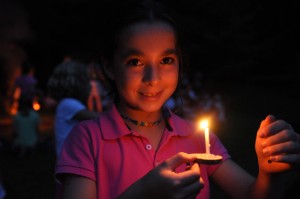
x=135, y=52
x=131, y=52
x=170, y=51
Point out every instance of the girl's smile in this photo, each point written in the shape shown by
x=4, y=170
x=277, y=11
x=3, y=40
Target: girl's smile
x=151, y=96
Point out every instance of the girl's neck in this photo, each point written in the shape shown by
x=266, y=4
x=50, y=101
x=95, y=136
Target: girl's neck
x=135, y=116
x=141, y=123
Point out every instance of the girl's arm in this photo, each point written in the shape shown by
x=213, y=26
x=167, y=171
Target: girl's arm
x=239, y=184
x=78, y=187
x=278, y=151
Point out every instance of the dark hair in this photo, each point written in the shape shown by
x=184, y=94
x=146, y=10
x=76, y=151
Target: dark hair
x=69, y=79
x=27, y=67
x=124, y=13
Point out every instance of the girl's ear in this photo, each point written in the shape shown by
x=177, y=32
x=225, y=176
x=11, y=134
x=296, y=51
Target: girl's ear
x=107, y=68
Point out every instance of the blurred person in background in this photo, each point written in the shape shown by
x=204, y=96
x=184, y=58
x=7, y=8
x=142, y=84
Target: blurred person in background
x=25, y=84
x=26, y=125
x=70, y=87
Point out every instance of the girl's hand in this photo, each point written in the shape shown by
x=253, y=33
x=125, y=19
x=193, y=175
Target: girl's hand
x=163, y=182
x=277, y=146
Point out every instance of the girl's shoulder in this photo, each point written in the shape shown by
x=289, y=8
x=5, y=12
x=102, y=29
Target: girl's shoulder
x=105, y=118
x=180, y=124
x=108, y=124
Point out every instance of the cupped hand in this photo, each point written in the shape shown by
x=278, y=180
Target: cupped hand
x=277, y=146
x=163, y=182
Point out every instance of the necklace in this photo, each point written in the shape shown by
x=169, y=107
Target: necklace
x=141, y=123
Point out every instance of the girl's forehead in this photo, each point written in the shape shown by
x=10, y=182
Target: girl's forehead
x=146, y=34
x=147, y=28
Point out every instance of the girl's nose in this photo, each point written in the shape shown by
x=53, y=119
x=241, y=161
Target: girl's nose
x=151, y=74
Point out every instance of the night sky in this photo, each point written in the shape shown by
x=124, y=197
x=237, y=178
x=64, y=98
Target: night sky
x=223, y=37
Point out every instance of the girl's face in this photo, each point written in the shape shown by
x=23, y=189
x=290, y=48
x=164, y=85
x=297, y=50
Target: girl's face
x=146, y=66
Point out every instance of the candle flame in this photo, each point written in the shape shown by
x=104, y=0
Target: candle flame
x=203, y=124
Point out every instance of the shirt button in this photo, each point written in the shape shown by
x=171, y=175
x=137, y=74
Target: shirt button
x=148, y=147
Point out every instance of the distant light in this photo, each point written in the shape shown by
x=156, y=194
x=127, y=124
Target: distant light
x=36, y=106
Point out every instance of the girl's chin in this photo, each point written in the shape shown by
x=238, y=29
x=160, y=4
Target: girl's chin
x=145, y=105
x=149, y=107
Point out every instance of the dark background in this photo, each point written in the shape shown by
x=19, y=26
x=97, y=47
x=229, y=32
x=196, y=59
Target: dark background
x=248, y=51
x=223, y=37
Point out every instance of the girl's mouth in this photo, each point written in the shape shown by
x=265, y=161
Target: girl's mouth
x=149, y=94
x=152, y=95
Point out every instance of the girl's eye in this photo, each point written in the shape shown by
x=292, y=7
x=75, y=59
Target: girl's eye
x=134, y=62
x=167, y=60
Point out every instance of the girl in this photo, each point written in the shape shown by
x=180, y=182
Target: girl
x=139, y=149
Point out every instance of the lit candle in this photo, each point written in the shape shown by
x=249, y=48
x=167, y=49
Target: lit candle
x=204, y=125
x=207, y=157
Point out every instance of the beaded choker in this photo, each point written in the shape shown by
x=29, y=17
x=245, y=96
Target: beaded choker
x=141, y=123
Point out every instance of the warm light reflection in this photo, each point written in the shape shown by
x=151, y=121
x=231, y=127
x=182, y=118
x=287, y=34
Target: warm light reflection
x=14, y=109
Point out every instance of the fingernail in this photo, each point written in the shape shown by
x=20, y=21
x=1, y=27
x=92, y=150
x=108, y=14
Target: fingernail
x=272, y=158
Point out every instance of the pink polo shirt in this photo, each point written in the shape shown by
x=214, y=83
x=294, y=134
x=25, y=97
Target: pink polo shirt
x=105, y=150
